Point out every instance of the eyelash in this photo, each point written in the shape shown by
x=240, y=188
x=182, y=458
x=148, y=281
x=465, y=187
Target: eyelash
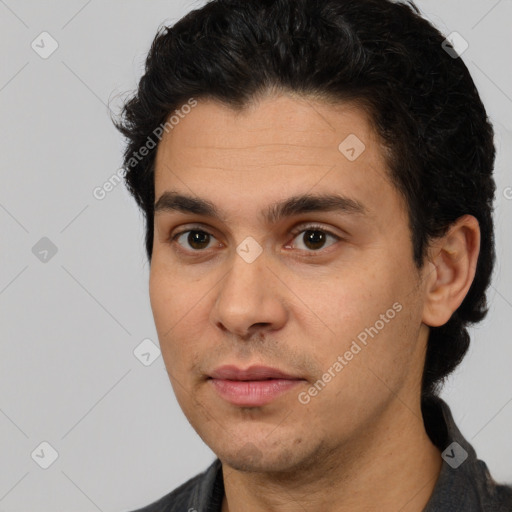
x=295, y=233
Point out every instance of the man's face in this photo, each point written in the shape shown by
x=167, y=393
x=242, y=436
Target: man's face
x=298, y=292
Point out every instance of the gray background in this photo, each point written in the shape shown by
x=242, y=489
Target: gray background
x=69, y=324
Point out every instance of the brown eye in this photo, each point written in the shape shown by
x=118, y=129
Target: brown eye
x=313, y=238
x=196, y=239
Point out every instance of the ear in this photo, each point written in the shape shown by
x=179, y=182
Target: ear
x=450, y=270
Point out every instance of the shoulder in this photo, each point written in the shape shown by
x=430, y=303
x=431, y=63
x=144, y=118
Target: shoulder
x=195, y=493
x=494, y=496
x=465, y=482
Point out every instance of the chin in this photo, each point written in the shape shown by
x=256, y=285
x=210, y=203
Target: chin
x=251, y=459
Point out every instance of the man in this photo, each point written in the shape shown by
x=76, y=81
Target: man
x=316, y=179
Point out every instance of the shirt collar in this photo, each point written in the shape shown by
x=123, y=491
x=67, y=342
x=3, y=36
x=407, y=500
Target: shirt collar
x=464, y=480
x=462, y=483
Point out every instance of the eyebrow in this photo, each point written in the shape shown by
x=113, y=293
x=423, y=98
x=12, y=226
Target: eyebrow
x=171, y=201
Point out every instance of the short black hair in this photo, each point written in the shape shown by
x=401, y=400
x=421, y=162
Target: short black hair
x=381, y=55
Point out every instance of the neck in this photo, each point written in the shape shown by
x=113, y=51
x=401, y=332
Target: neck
x=389, y=467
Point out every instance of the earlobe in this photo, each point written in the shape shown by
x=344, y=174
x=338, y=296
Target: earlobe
x=453, y=259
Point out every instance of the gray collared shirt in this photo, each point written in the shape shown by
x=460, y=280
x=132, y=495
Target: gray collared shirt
x=464, y=484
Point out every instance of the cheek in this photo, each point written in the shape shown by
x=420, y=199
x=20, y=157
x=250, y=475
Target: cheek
x=170, y=307
x=367, y=306
x=162, y=298
x=346, y=301
x=180, y=310
x=172, y=295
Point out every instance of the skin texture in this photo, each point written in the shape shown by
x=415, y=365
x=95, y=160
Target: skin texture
x=360, y=443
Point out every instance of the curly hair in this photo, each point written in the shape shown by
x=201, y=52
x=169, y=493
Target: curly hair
x=382, y=55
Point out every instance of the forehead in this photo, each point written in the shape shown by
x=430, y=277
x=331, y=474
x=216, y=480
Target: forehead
x=278, y=144
x=272, y=129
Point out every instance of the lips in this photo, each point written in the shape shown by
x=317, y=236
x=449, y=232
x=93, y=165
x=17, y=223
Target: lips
x=253, y=387
x=253, y=373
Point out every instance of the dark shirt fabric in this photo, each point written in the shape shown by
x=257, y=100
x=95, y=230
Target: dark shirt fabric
x=464, y=484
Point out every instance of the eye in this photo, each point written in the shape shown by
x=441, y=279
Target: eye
x=314, y=237
x=197, y=239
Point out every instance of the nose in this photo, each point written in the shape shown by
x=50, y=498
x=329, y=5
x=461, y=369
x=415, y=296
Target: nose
x=249, y=298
